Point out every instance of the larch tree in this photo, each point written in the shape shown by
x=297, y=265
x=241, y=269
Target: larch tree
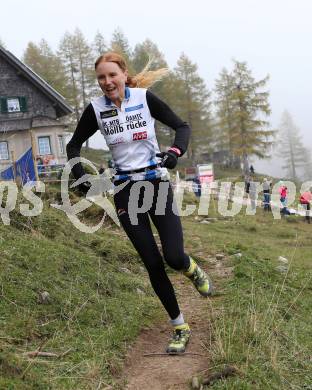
x=43, y=61
x=85, y=61
x=224, y=121
x=148, y=54
x=66, y=53
x=248, y=107
x=99, y=45
x=192, y=102
x=290, y=147
x=120, y=44
x=78, y=59
x=307, y=165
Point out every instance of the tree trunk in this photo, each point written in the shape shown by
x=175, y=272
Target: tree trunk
x=245, y=164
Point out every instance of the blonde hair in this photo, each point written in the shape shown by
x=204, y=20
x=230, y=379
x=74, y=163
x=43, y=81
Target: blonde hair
x=145, y=79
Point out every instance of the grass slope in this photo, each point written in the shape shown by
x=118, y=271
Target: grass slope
x=100, y=297
x=98, y=300
x=261, y=320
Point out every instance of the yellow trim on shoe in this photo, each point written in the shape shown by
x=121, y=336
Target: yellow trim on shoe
x=200, y=279
x=179, y=340
x=184, y=326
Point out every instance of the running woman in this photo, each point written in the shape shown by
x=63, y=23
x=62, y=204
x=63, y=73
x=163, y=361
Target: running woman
x=125, y=115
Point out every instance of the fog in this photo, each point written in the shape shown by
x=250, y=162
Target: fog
x=274, y=37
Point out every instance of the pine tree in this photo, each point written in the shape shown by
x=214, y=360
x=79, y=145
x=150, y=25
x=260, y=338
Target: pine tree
x=193, y=105
x=242, y=105
x=2, y=43
x=290, y=147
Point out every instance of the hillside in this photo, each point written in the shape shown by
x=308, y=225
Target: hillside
x=95, y=286
x=96, y=156
x=99, y=299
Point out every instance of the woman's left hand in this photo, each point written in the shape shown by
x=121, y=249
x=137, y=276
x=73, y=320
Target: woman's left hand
x=168, y=159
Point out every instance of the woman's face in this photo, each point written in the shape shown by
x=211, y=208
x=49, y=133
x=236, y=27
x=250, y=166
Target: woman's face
x=112, y=81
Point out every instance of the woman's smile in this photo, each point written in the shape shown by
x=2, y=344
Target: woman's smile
x=112, y=81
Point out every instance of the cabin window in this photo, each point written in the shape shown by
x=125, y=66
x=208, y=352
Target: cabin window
x=13, y=104
x=44, y=145
x=61, y=144
x=4, y=150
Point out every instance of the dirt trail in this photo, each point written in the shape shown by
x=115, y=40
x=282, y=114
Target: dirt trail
x=166, y=372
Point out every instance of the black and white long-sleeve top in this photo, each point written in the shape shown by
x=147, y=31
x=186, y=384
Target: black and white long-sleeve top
x=129, y=131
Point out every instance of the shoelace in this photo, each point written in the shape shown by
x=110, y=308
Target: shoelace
x=177, y=335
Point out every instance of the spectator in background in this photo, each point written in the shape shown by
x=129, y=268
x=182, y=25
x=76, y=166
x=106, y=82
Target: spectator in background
x=266, y=194
x=197, y=186
x=251, y=169
x=306, y=200
x=283, y=198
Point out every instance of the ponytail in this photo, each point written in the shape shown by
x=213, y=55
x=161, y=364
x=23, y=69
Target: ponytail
x=145, y=79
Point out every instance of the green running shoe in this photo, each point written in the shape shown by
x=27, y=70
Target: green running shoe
x=179, y=340
x=199, y=278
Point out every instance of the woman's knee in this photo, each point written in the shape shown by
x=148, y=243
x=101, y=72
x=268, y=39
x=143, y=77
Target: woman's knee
x=177, y=261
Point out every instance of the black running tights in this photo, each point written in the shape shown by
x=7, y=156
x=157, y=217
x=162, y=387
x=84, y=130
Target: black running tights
x=170, y=232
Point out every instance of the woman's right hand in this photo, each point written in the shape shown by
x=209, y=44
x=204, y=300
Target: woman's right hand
x=85, y=187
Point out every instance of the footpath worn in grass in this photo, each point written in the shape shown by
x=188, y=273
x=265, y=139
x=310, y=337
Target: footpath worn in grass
x=98, y=299
x=261, y=323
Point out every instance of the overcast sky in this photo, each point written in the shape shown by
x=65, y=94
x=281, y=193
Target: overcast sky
x=273, y=36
